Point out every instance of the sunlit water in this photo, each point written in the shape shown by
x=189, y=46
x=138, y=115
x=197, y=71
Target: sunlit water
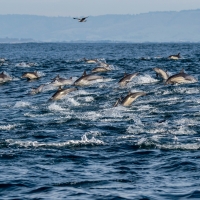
x=81, y=147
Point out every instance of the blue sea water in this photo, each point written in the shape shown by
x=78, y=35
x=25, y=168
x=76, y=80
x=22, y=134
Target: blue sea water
x=81, y=147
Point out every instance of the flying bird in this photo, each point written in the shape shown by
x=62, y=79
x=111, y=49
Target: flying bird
x=83, y=19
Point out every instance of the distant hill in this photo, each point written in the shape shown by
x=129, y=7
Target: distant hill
x=183, y=26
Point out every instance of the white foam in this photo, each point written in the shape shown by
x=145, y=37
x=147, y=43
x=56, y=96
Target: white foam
x=22, y=64
x=72, y=101
x=7, y=127
x=40, y=74
x=89, y=99
x=82, y=92
x=84, y=141
x=21, y=104
x=186, y=122
x=187, y=90
x=182, y=130
x=179, y=146
x=55, y=107
x=90, y=115
x=145, y=79
x=36, y=115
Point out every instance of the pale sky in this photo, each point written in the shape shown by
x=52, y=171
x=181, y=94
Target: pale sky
x=76, y=8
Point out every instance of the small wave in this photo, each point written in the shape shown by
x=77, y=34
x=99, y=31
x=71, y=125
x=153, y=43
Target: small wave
x=179, y=146
x=83, y=92
x=146, y=79
x=7, y=127
x=21, y=104
x=36, y=115
x=55, y=107
x=91, y=115
x=84, y=141
x=182, y=130
x=40, y=74
x=72, y=101
x=89, y=99
x=24, y=64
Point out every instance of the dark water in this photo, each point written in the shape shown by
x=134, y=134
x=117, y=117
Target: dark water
x=81, y=147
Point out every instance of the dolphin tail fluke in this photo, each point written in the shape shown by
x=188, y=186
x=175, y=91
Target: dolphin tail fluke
x=117, y=102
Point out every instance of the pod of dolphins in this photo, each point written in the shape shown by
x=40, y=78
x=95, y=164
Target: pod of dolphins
x=87, y=79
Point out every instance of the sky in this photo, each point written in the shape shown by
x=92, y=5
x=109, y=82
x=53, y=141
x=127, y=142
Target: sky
x=77, y=8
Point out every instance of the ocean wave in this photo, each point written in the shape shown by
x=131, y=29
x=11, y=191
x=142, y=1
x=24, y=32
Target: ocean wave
x=21, y=104
x=7, y=127
x=143, y=79
x=83, y=142
x=55, y=107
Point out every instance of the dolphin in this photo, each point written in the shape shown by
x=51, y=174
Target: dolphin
x=103, y=67
x=128, y=99
x=4, y=77
x=37, y=90
x=86, y=79
x=30, y=75
x=103, y=64
x=90, y=61
x=127, y=78
x=162, y=73
x=58, y=81
x=181, y=77
x=100, y=69
x=83, y=19
x=174, y=57
x=61, y=93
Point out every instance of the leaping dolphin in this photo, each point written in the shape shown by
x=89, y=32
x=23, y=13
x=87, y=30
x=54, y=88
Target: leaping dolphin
x=100, y=69
x=86, y=79
x=61, y=93
x=103, y=67
x=83, y=19
x=162, y=73
x=31, y=75
x=128, y=99
x=181, y=77
x=58, y=81
x=127, y=78
x=4, y=77
x=90, y=61
x=37, y=90
x=174, y=57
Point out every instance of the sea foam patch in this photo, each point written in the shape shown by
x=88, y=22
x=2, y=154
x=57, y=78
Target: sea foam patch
x=7, y=127
x=21, y=104
x=84, y=141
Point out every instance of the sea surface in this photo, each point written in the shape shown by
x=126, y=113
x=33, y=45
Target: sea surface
x=81, y=147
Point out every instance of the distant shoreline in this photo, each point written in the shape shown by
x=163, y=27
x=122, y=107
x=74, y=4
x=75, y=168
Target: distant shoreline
x=24, y=41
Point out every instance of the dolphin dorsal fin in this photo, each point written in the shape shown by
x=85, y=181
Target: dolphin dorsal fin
x=60, y=87
x=84, y=73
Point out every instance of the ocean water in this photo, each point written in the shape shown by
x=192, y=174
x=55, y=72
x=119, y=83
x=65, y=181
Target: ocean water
x=81, y=147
